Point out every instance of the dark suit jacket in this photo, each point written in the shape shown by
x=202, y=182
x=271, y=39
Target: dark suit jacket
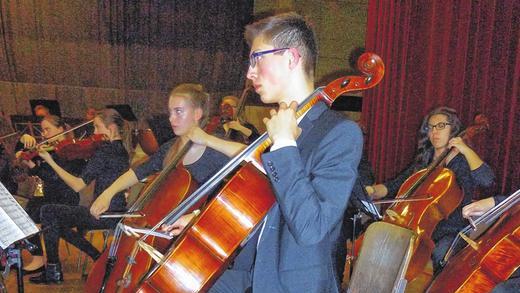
x=312, y=182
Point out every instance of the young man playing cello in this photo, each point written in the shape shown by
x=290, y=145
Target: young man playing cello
x=311, y=165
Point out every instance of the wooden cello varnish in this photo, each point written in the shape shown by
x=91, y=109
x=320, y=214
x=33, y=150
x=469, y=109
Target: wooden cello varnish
x=205, y=251
x=480, y=270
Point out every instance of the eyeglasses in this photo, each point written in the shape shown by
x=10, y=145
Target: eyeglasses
x=253, y=58
x=439, y=126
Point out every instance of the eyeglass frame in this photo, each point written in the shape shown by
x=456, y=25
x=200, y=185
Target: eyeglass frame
x=439, y=126
x=255, y=55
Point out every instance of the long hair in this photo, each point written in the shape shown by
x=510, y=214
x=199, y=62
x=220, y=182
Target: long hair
x=57, y=122
x=110, y=116
x=425, y=149
x=199, y=99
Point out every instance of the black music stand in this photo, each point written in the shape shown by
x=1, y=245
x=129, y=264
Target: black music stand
x=125, y=111
x=14, y=257
x=26, y=124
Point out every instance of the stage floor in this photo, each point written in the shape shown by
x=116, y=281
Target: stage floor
x=71, y=270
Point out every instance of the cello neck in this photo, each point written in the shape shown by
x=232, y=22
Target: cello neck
x=370, y=64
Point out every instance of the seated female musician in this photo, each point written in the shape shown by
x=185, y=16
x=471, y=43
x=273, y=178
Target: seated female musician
x=478, y=208
x=55, y=191
x=187, y=105
x=435, y=135
x=108, y=162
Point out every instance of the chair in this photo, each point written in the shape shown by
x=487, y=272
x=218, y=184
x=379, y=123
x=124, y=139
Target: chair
x=83, y=257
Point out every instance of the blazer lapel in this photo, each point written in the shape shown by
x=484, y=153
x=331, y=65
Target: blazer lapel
x=307, y=122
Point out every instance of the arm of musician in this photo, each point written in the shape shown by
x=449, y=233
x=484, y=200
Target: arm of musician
x=312, y=197
x=478, y=208
x=473, y=159
x=481, y=172
x=239, y=127
x=377, y=191
x=76, y=183
x=176, y=228
x=102, y=203
x=28, y=141
x=229, y=148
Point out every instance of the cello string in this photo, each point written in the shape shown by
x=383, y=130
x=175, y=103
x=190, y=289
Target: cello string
x=486, y=218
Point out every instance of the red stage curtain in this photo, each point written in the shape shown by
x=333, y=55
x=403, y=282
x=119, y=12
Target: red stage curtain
x=462, y=54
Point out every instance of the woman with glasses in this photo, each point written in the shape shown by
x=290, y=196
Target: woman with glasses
x=437, y=133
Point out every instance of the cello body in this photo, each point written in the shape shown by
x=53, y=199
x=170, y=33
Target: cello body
x=432, y=194
x=206, y=248
x=495, y=260
x=423, y=216
x=130, y=262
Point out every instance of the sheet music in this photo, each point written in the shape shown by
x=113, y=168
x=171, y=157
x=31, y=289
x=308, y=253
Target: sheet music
x=15, y=224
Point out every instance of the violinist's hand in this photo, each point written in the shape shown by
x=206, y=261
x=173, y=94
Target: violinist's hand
x=28, y=141
x=283, y=125
x=179, y=225
x=459, y=144
x=197, y=135
x=478, y=208
x=100, y=205
x=44, y=155
x=235, y=125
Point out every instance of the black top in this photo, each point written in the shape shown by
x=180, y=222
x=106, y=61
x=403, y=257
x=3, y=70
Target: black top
x=208, y=164
x=236, y=135
x=108, y=163
x=468, y=181
x=55, y=190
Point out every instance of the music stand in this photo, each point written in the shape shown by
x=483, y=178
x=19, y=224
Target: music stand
x=26, y=124
x=125, y=111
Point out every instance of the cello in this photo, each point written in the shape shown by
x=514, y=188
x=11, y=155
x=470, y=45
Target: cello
x=114, y=270
x=492, y=259
x=423, y=200
x=201, y=254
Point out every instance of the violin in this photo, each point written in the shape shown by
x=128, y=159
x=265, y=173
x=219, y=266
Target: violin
x=73, y=149
x=33, y=153
x=68, y=149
